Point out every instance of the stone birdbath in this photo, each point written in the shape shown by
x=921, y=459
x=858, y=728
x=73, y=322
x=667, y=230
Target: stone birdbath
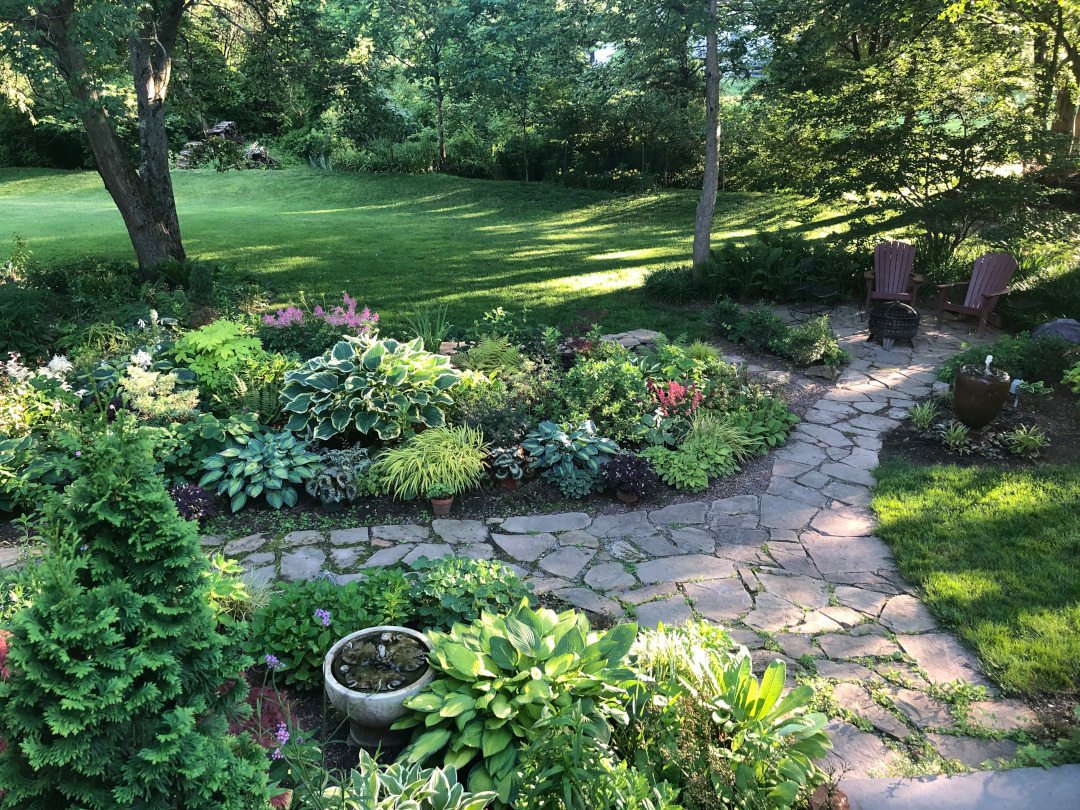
x=370, y=674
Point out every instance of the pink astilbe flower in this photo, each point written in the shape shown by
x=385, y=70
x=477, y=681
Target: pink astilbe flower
x=348, y=317
x=284, y=317
x=675, y=399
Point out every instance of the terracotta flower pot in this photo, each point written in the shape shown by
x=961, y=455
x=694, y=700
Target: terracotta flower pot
x=978, y=397
x=510, y=484
x=626, y=497
x=441, y=507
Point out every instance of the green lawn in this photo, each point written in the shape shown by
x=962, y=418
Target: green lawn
x=389, y=239
x=997, y=555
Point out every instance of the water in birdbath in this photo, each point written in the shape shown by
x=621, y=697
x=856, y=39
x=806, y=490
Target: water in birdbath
x=380, y=662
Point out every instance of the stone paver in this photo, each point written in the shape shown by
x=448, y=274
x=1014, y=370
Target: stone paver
x=304, y=538
x=547, y=523
x=349, y=537
x=687, y=568
x=855, y=752
x=972, y=752
x=772, y=614
x=671, y=611
x=460, y=531
x=401, y=534
x=943, y=658
x=839, y=645
x=524, y=547
x=628, y=524
x=721, y=601
x=906, y=614
x=784, y=513
x=244, y=545
x=799, y=590
x=609, y=577
x=303, y=564
x=566, y=562
x=688, y=513
x=432, y=551
x=387, y=556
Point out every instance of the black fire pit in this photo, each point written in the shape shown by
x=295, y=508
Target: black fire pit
x=894, y=321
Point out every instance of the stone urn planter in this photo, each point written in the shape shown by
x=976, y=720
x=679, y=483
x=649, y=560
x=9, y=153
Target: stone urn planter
x=370, y=674
x=979, y=393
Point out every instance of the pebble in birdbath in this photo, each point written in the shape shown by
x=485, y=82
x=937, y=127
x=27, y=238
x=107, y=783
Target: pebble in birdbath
x=380, y=663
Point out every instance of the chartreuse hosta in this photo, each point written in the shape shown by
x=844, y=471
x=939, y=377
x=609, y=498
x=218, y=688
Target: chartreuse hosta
x=502, y=674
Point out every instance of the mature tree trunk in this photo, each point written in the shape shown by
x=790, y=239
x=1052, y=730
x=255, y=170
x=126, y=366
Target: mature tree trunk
x=707, y=205
x=144, y=196
x=439, y=97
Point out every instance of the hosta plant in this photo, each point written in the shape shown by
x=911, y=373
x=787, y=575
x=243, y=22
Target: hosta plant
x=369, y=386
x=265, y=463
x=338, y=480
x=563, y=448
x=400, y=786
x=503, y=674
x=507, y=463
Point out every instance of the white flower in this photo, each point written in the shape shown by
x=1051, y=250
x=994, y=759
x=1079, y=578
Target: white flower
x=141, y=358
x=58, y=366
x=140, y=323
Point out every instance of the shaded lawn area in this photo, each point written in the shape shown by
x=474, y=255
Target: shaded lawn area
x=391, y=239
x=997, y=555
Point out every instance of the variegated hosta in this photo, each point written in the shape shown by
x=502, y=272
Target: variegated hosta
x=265, y=463
x=504, y=673
x=366, y=384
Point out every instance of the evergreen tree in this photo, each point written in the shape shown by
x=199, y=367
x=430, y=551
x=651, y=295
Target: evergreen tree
x=121, y=686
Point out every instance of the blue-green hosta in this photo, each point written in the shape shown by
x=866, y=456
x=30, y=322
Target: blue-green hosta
x=561, y=448
x=265, y=463
x=503, y=674
x=369, y=385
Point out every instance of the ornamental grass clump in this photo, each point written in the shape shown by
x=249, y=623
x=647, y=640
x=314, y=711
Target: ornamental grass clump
x=450, y=457
x=122, y=685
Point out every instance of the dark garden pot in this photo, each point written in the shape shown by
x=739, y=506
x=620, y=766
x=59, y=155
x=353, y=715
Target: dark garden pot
x=440, y=507
x=334, y=506
x=626, y=497
x=510, y=484
x=978, y=396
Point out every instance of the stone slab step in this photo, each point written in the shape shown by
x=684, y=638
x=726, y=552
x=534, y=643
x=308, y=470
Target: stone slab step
x=1020, y=789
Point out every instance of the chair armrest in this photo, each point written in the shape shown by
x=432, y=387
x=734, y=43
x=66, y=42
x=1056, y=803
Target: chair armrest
x=953, y=284
x=996, y=294
x=868, y=275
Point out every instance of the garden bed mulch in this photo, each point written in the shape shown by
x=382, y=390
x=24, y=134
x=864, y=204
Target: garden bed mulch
x=1056, y=415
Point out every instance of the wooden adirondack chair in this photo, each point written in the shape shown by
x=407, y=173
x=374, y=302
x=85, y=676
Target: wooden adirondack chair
x=891, y=278
x=989, y=281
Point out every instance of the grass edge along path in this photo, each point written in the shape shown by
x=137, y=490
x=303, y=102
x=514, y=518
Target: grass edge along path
x=995, y=554
x=390, y=240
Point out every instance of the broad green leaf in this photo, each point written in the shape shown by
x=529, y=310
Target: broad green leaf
x=427, y=744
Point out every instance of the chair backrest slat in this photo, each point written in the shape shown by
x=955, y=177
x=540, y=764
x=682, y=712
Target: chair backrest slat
x=893, y=262
x=992, y=273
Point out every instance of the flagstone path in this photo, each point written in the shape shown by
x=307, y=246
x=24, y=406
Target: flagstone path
x=795, y=571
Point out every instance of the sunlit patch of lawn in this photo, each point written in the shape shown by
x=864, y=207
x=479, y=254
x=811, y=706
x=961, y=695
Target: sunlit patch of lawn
x=997, y=555
x=391, y=240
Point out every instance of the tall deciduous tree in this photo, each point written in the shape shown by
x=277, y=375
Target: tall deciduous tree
x=711, y=176
x=85, y=43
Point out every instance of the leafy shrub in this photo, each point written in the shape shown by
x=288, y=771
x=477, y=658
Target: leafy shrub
x=459, y=589
x=193, y=502
x=215, y=353
x=631, y=474
x=25, y=473
x=1072, y=378
x=712, y=449
x=453, y=457
x=139, y=717
x=157, y=395
x=571, y=766
x=201, y=283
x=266, y=464
x=182, y=448
x=29, y=400
x=1041, y=359
x=401, y=785
x=760, y=329
x=672, y=284
x=611, y=392
x=709, y=727
x=507, y=407
x=724, y=316
x=813, y=341
x=292, y=634
x=258, y=384
x=25, y=325
x=503, y=674
x=369, y=385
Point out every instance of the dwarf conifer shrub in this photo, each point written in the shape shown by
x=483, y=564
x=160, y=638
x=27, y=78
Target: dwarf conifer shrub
x=122, y=687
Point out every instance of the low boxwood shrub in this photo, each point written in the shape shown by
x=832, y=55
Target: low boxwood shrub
x=458, y=589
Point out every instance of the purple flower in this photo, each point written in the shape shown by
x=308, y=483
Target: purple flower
x=272, y=662
x=78, y=452
x=83, y=547
x=282, y=734
x=323, y=616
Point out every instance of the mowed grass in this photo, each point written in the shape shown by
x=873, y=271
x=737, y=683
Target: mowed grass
x=394, y=239
x=997, y=554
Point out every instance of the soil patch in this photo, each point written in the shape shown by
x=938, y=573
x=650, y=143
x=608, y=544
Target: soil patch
x=1056, y=415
